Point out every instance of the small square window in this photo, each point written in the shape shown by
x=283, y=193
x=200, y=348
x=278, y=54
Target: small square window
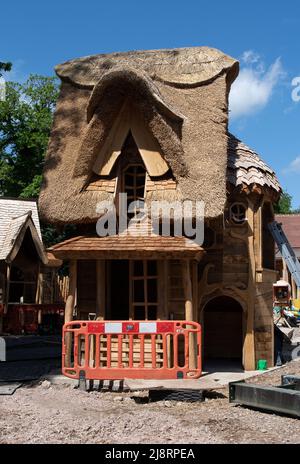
x=238, y=213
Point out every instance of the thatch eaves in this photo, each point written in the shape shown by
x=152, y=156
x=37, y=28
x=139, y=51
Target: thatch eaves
x=181, y=67
x=181, y=98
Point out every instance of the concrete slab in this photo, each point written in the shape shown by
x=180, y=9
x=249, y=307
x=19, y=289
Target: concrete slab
x=211, y=379
x=208, y=381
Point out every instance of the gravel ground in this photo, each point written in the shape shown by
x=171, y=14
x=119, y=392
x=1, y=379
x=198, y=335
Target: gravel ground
x=45, y=413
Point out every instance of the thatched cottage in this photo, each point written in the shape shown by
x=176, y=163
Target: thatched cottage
x=154, y=124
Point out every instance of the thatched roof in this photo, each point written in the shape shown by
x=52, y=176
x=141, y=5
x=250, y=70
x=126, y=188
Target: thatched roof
x=179, y=96
x=16, y=217
x=246, y=168
x=177, y=67
x=175, y=102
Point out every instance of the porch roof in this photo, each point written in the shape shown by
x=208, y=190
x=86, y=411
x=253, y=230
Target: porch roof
x=127, y=247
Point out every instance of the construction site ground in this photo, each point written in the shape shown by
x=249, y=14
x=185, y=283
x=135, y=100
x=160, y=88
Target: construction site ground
x=45, y=412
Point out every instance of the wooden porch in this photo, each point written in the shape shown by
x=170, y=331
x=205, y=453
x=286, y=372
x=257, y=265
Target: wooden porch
x=132, y=278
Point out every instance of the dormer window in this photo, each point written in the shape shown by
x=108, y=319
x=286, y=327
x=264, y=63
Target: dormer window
x=134, y=179
x=131, y=173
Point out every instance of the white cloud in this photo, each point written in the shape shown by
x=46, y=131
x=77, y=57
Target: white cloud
x=250, y=57
x=254, y=86
x=293, y=167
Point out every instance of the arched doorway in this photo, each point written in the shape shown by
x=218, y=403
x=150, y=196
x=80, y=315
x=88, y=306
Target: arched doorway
x=223, y=330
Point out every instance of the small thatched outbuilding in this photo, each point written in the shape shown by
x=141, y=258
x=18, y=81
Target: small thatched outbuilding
x=154, y=124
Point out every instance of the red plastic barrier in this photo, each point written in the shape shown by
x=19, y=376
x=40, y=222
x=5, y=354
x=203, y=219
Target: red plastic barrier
x=23, y=318
x=131, y=349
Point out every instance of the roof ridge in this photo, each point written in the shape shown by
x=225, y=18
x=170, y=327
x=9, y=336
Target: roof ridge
x=28, y=213
x=287, y=214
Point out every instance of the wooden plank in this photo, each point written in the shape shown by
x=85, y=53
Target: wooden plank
x=189, y=314
x=199, y=384
x=148, y=148
x=249, y=342
x=114, y=143
x=69, y=308
x=195, y=290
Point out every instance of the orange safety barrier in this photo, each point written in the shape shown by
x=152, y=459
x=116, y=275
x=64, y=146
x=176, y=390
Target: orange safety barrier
x=114, y=350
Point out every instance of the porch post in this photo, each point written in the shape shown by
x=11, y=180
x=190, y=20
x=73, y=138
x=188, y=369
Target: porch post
x=189, y=316
x=195, y=290
x=249, y=342
x=70, y=303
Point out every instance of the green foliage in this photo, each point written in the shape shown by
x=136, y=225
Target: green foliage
x=5, y=67
x=33, y=189
x=284, y=206
x=52, y=235
x=25, y=122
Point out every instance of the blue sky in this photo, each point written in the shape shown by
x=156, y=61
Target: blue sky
x=264, y=36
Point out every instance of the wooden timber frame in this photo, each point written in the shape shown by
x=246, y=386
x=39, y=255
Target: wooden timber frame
x=188, y=299
x=70, y=305
x=239, y=253
x=234, y=265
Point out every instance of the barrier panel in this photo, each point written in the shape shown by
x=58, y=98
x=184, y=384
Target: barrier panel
x=114, y=350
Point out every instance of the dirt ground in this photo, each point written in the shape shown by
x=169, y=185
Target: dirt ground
x=45, y=413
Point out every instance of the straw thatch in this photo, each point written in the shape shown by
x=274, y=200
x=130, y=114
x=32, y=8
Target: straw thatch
x=181, y=96
x=180, y=99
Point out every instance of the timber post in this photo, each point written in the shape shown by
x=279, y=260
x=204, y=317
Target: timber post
x=69, y=308
x=249, y=342
x=189, y=310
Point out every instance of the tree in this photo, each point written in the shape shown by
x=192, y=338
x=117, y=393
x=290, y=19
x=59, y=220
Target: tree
x=25, y=122
x=4, y=67
x=284, y=206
